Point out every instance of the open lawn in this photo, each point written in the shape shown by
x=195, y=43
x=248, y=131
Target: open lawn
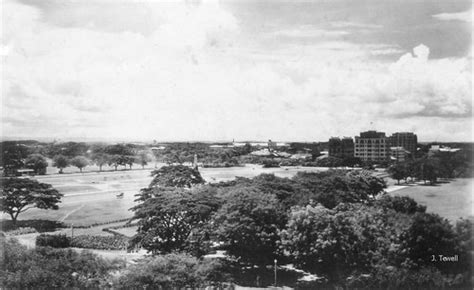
x=452, y=200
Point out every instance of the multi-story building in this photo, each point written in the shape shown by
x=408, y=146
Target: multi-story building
x=341, y=148
x=399, y=154
x=372, y=146
x=407, y=140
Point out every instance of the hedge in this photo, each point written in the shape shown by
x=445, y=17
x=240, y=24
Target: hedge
x=115, y=242
x=55, y=241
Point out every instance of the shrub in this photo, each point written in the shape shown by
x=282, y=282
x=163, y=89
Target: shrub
x=173, y=271
x=48, y=268
x=55, y=241
x=100, y=242
x=270, y=163
x=403, y=204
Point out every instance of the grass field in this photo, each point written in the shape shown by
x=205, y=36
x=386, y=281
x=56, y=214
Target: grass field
x=452, y=200
x=90, y=197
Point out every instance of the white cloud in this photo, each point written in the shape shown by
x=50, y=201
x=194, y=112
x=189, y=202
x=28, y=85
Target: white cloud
x=460, y=16
x=196, y=77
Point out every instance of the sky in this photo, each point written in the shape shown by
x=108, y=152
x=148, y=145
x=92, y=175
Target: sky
x=214, y=70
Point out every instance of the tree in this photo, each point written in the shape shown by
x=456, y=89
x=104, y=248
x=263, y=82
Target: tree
x=36, y=162
x=128, y=160
x=398, y=171
x=114, y=160
x=100, y=159
x=430, y=235
x=337, y=242
x=429, y=170
x=61, y=162
x=338, y=186
x=143, y=158
x=80, y=162
x=20, y=194
x=12, y=156
x=168, y=218
x=176, y=176
x=403, y=204
x=248, y=224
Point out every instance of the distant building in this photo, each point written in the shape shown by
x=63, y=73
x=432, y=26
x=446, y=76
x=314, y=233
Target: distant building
x=341, y=148
x=371, y=146
x=399, y=154
x=407, y=140
x=438, y=148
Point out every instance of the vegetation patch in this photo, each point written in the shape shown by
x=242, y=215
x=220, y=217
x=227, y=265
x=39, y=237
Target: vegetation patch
x=38, y=225
x=115, y=242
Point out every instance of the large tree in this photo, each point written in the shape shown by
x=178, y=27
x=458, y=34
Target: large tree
x=80, y=162
x=36, y=162
x=20, y=194
x=248, y=224
x=100, y=159
x=398, y=171
x=61, y=162
x=143, y=158
x=169, y=219
x=336, y=242
x=176, y=176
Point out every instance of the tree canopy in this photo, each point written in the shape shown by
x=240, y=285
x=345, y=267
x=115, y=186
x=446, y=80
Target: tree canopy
x=169, y=218
x=176, y=176
x=20, y=194
x=37, y=162
x=61, y=162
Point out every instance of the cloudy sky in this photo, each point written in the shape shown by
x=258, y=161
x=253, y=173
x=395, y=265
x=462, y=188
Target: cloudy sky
x=244, y=70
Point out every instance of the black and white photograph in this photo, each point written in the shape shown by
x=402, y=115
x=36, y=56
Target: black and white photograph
x=236, y=144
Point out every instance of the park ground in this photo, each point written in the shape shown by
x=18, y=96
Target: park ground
x=90, y=199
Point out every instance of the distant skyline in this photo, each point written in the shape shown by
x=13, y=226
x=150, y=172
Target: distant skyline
x=244, y=70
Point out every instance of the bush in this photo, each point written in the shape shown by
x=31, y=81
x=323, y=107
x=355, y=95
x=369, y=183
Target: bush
x=55, y=241
x=48, y=268
x=100, y=242
x=270, y=163
x=403, y=204
x=173, y=271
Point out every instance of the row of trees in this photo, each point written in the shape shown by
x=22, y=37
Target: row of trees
x=430, y=168
x=337, y=224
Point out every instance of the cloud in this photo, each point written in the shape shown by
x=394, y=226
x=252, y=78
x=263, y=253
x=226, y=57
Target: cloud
x=195, y=76
x=307, y=31
x=465, y=16
x=421, y=87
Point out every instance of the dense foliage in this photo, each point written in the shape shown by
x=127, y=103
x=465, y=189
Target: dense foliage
x=176, y=176
x=171, y=219
x=115, y=242
x=248, y=224
x=173, y=271
x=49, y=268
x=54, y=241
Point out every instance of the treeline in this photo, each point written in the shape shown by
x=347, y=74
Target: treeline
x=430, y=168
x=35, y=156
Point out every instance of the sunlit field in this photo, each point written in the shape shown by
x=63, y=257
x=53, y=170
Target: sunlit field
x=91, y=197
x=451, y=200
